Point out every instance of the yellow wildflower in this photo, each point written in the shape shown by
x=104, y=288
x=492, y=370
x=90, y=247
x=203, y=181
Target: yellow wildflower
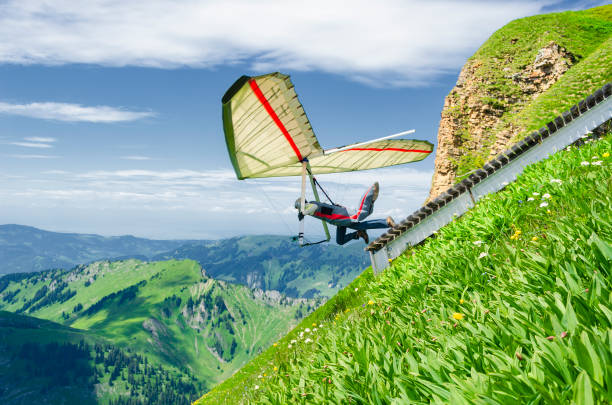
x=461, y=301
x=370, y=302
x=458, y=316
x=275, y=368
x=606, y=154
x=275, y=344
x=314, y=324
x=534, y=238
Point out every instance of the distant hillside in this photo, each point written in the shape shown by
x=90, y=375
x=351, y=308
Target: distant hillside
x=44, y=362
x=277, y=263
x=27, y=249
x=168, y=311
x=265, y=261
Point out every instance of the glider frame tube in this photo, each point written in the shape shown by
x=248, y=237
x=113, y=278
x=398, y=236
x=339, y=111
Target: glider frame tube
x=306, y=170
x=563, y=137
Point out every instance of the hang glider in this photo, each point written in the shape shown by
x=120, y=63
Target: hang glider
x=268, y=134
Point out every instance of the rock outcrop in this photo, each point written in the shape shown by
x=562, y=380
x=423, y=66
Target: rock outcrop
x=472, y=127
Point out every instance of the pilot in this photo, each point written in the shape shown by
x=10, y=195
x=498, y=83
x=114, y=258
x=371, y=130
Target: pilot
x=342, y=218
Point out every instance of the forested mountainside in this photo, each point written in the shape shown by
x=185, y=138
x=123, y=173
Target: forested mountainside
x=44, y=362
x=523, y=76
x=169, y=313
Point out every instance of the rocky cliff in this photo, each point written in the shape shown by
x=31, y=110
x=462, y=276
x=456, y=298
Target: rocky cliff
x=502, y=90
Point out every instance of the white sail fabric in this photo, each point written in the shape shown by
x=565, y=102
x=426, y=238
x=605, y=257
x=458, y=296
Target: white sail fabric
x=266, y=126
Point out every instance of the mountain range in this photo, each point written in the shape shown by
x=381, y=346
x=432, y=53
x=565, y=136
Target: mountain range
x=268, y=262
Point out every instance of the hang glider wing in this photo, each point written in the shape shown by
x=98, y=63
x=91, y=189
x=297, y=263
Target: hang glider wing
x=265, y=125
x=268, y=135
x=362, y=157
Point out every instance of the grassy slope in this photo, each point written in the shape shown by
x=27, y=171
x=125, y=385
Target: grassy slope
x=536, y=315
x=182, y=342
x=585, y=34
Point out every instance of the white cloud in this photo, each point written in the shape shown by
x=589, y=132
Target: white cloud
x=18, y=156
x=72, y=112
x=135, y=158
x=32, y=144
x=392, y=42
x=40, y=139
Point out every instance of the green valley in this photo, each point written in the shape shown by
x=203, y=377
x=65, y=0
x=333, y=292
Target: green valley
x=169, y=312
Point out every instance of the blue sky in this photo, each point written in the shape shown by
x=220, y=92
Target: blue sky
x=110, y=114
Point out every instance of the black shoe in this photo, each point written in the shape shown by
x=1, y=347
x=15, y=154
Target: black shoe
x=363, y=234
x=375, y=194
x=391, y=222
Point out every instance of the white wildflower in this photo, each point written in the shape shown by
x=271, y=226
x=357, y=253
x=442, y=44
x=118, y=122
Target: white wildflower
x=568, y=148
x=595, y=157
x=307, y=330
x=308, y=340
x=535, y=193
x=530, y=199
x=301, y=334
x=289, y=346
x=544, y=204
x=356, y=288
x=546, y=196
x=314, y=330
x=477, y=242
x=293, y=341
x=483, y=254
x=558, y=181
x=597, y=163
x=584, y=163
x=256, y=387
x=259, y=376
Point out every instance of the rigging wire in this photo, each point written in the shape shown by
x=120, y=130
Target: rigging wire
x=291, y=231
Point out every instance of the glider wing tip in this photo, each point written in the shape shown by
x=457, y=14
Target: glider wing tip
x=234, y=88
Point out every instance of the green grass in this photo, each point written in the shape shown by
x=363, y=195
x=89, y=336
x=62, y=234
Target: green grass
x=535, y=309
x=586, y=35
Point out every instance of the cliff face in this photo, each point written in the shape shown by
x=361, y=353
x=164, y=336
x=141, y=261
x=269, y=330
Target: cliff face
x=517, y=81
x=471, y=113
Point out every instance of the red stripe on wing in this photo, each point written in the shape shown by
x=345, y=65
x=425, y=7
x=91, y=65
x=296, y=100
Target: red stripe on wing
x=274, y=117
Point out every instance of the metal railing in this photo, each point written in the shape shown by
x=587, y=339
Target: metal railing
x=562, y=131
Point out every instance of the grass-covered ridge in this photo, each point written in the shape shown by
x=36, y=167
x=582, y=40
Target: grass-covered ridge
x=585, y=35
x=509, y=303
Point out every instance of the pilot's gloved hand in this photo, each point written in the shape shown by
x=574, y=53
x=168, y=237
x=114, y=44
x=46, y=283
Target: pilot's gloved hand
x=310, y=209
